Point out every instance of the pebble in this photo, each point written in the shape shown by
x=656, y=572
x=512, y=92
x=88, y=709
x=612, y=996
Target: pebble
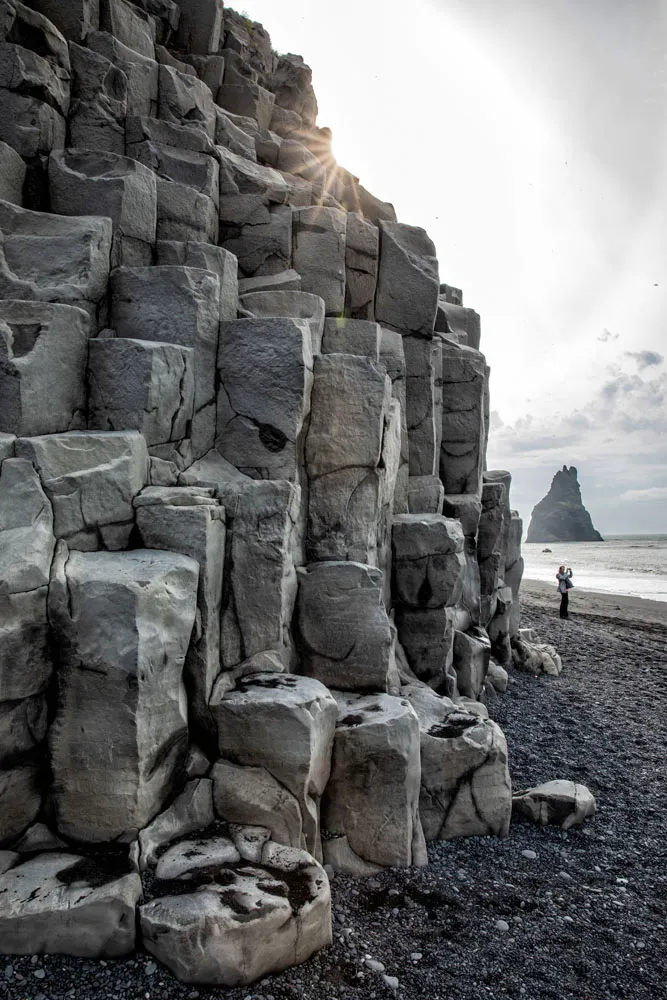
x=416, y=956
x=566, y=877
x=39, y=974
x=151, y=968
x=531, y=855
x=391, y=982
x=374, y=965
x=502, y=925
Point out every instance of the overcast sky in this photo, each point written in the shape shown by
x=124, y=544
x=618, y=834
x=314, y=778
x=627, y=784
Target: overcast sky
x=529, y=138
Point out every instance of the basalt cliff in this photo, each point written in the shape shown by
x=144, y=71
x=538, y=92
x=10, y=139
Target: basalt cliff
x=561, y=516
x=253, y=572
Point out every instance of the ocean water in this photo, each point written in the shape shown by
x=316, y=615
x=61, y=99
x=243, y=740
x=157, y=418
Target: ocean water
x=623, y=564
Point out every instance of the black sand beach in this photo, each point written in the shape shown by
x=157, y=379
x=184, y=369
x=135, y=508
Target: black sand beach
x=587, y=914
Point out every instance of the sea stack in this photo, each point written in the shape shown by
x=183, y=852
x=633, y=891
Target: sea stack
x=561, y=516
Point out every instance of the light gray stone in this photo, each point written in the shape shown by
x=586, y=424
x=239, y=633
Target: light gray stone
x=343, y=631
x=262, y=240
x=284, y=724
x=465, y=782
x=43, y=354
x=392, y=356
x=534, y=657
x=498, y=678
x=427, y=638
x=284, y=281
x=465, y=381
x=31, y=127
x=408, y=284
x=349, y=409
x=428, y=560
x=189, y=856
x=183, y=98
x=499, y=626
x=91, y=479
x=178, y=305
x=63, y=903
x=26, y=533
x=206, y=936
x=141, y=72
x=23, y=726
x=192, y=810
x=352, y=336
x=426, y=495
x=208, y=258
x=130, y=25
x=457, y=322
x=422, y=413
x=472, y=651
x=45, y=74
x=339, y=856
x=99, y=103
x=294, y=88
x=235, y=139
x=564, y=803
x=198, y=532
x=119, y=739
x=76, y=250
x=260, y=580
x=143, y=386
x=372, y=797
x=248, y=99
x=319, y=254
x=252, y=795
x=212, y=470
x=12, y=175
x=265, y=379
x=362, y=249
x=25, y=655
x=489, y=546
x=289, y=304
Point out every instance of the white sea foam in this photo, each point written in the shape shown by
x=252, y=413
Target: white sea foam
x=623, y=564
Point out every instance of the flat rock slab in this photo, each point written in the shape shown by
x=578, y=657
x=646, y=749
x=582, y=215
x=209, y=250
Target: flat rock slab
x=71, y=905
x=232, y=925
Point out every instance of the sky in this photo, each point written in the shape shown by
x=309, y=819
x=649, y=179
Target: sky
x=529, y=138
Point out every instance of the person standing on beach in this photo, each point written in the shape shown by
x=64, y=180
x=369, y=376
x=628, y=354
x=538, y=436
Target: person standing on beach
x=564, y=577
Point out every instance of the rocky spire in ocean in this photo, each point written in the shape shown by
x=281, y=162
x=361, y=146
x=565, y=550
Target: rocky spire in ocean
x=561, y=516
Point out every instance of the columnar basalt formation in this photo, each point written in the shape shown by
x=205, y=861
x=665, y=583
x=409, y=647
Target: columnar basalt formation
x=253, y=570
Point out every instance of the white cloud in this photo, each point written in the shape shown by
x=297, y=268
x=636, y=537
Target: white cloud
x=645, y=359
x=652, y=493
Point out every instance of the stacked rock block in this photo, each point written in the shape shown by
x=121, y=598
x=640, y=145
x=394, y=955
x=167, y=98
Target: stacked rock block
x=252, y=569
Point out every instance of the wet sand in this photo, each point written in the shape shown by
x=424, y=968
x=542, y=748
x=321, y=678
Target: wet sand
x=591, y=605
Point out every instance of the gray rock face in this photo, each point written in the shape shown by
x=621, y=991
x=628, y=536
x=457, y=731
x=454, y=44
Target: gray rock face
x=422, y=366
x=206, y=936
x=129, y=24
x=143, y=386
x=197, y=531
x=472, y=651
x=176, y=305
x=319, y=254
x=344, y=634
x=191, y=811
x=200, y=26
x=373, y=795
x=465, y=782
x=120, y=733
x=99, y=103
x=427, y=637
x=294, y=89
x=284, y=724
x=63, y=903
x=91, y=480
x=426, y=495
x=490, y=547
x=349, y=409
x=283, y=303
x=561, y=516
x=75, y=19
x=12, y=175
x=408, y=284
x=43, y=354
x=260, y=581
x=76, y=251
x=183, y=98
x=362, y=250
x=265, y=371
x=207, y=258
x=352, y=336
x=142, y=72
x=252, y=794
x=564, y=803
x=428, y=560
x=464, y=378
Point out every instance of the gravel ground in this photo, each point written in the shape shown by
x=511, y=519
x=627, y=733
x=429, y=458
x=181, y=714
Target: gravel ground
x=542, y=914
